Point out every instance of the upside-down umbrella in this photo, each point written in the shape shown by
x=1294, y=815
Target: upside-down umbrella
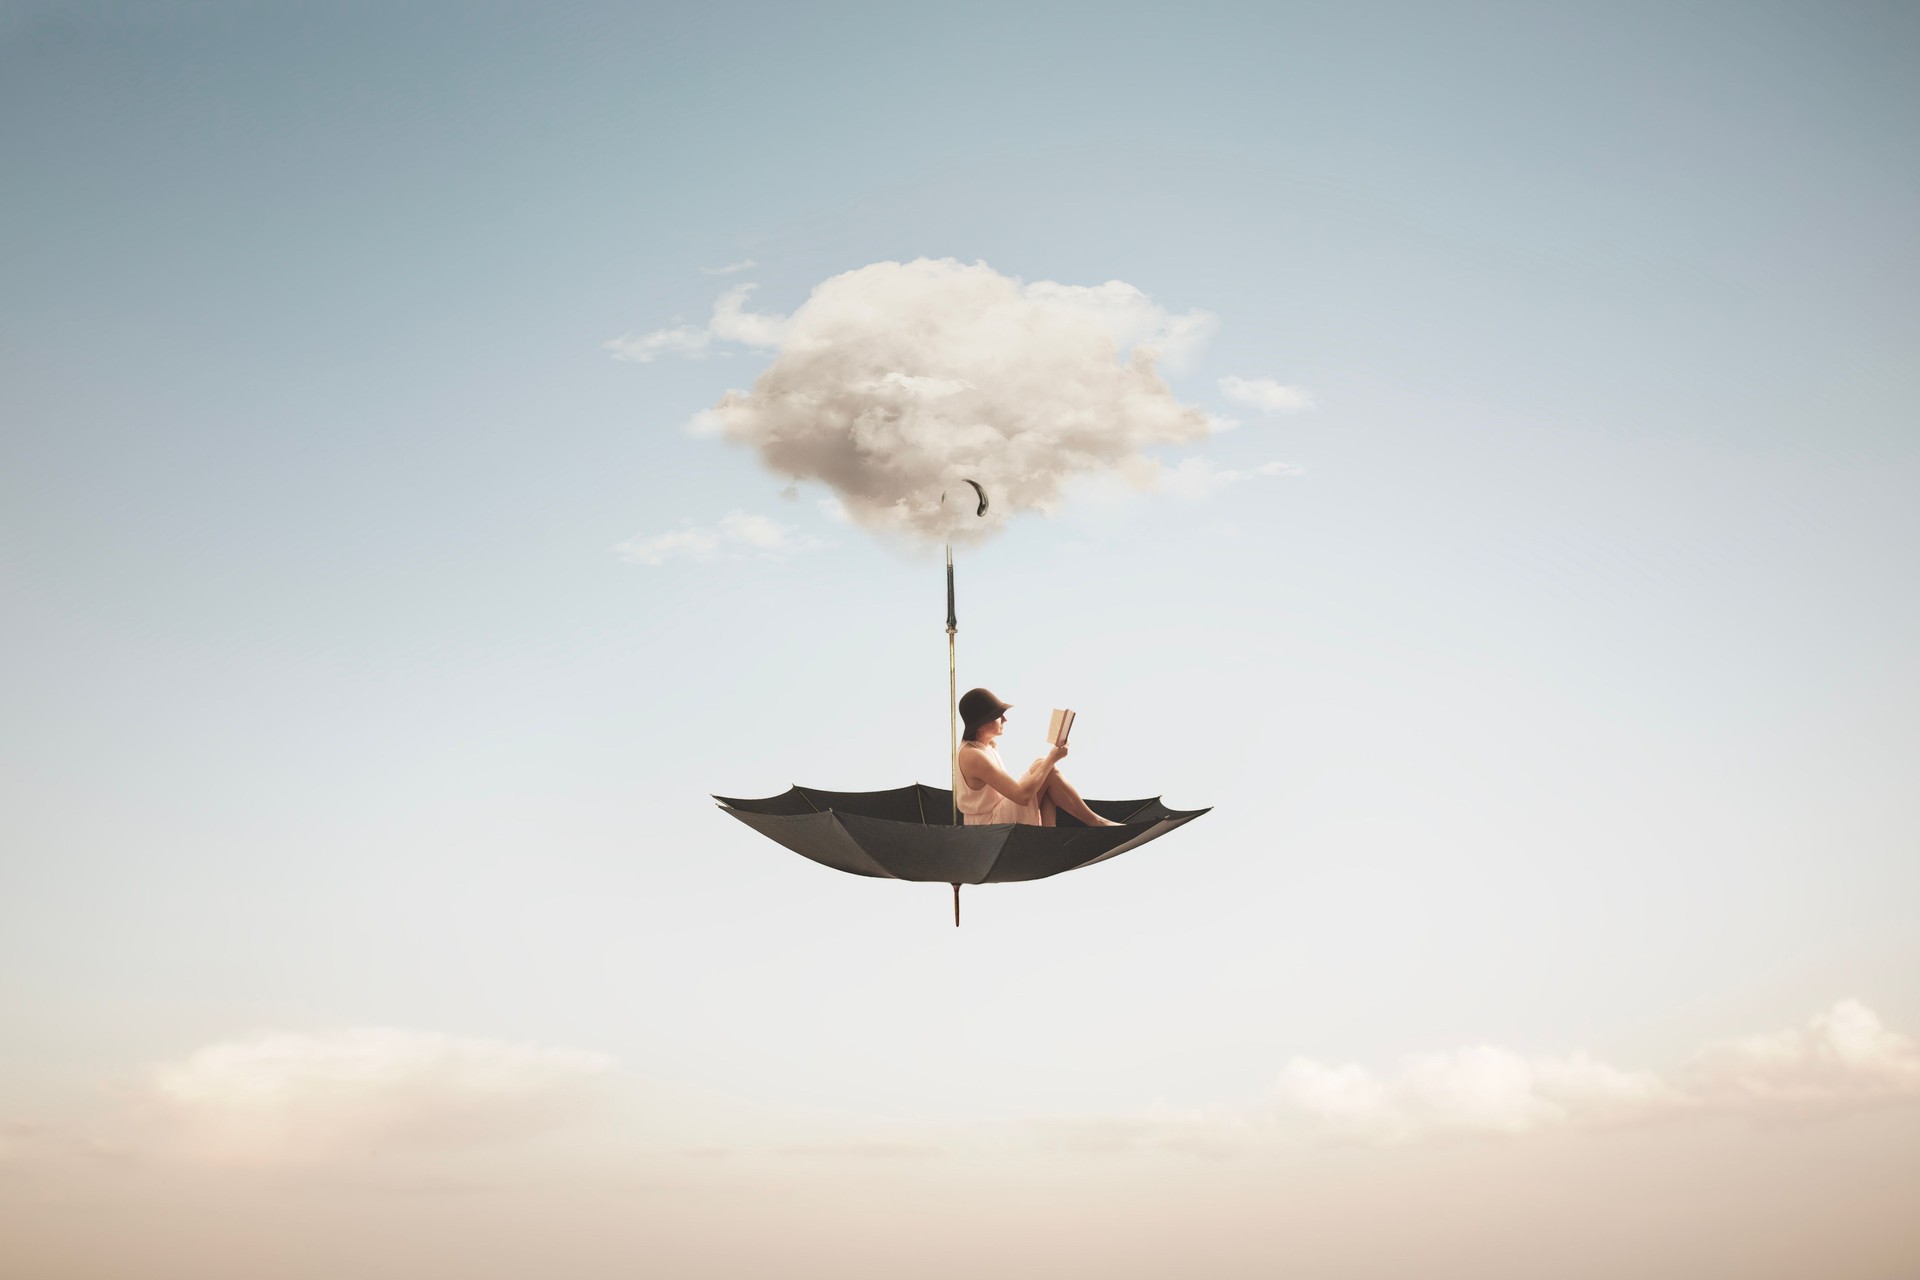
x=915, y=833
x=909, y=834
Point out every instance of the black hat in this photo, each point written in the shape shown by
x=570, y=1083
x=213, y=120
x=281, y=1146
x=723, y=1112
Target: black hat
x=977, y=706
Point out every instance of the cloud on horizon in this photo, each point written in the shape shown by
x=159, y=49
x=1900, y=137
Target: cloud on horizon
x=1842, y=1059
x=295, y=1098
x=289, y=1100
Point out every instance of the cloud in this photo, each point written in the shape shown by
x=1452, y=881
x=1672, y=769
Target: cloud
x=894, y=382
x=682, y=340
x=730, y=322
x=1843, y=1058
x=1265, y=394
x=286, y=1097
x=1483, y=1089
x=1132, y=318
x=736, y=535
x=745, y=264
x=1196, y=478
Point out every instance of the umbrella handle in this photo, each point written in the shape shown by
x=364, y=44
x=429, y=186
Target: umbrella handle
x=956, y=906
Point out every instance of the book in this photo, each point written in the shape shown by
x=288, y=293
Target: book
x=1059, y=727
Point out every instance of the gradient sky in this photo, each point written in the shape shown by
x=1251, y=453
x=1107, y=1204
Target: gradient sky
x=362, y=909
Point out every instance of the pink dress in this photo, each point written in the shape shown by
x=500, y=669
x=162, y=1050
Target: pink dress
x=979, y=805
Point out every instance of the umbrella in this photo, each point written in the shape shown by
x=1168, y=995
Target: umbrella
x=915, y=833
x=908, y=834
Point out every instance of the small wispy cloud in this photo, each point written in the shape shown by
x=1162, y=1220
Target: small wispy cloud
x=648, y=347
x=1265, y=394
x=736, y=535
x=1198, y=477
x=1195, y=478
x=745, y=264
x=730, y=322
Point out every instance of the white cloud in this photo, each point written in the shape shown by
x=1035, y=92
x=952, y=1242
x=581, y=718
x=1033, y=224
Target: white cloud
x=730, y=322
x=1196, y=478
x=681, y=340
x=1133, y=319
x=1483, y=1089
x=1265, y=394
x=288, y=1097
x=754, y=531
x=745, y=264
x=735, y=535
x=894, y=382
x=1843, y=1058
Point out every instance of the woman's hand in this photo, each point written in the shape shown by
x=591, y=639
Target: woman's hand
x=1058, y=753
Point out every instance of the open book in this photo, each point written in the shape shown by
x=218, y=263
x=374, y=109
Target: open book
x=1059, y=727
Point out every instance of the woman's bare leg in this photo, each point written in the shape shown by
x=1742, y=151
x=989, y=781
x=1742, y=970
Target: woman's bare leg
x=1061, y=792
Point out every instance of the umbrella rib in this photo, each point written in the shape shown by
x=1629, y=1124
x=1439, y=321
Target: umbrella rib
x=809, y=799
x=1006, y=838
x=884, y=870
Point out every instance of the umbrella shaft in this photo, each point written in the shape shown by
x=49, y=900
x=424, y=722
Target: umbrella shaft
x=953, y=734
x=953, y=702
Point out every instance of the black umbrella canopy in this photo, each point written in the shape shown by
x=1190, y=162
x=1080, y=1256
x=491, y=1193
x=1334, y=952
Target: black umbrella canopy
x=908, y=834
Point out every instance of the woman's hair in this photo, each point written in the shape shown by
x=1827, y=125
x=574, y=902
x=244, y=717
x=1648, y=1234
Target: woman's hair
x=972, y=733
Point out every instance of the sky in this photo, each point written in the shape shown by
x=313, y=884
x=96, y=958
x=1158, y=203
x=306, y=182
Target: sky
x=1469, y=447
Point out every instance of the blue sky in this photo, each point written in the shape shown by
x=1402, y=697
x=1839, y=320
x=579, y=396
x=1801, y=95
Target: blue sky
x=1558, y=699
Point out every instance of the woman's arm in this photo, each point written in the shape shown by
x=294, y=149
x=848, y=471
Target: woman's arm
x=978, y=768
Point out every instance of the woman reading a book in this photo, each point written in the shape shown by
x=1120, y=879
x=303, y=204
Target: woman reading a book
x=986, y=792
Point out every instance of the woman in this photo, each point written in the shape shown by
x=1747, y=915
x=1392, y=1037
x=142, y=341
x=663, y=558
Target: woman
x=986, y=792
